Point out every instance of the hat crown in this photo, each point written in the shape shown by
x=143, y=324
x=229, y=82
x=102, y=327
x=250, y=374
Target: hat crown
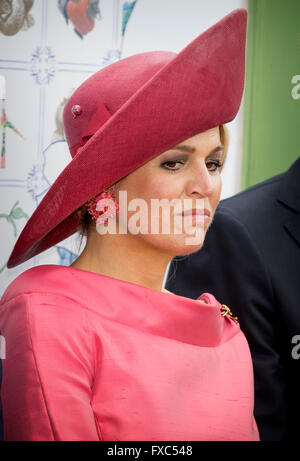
x=112, y=86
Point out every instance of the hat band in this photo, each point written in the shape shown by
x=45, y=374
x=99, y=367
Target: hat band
x=99, y=118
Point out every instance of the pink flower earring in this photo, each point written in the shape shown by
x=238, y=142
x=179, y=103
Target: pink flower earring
x=110, y=205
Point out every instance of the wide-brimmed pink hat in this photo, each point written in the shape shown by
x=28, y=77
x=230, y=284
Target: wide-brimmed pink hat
x=133, y=110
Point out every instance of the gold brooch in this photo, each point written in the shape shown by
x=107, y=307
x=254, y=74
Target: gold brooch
x=226, y=311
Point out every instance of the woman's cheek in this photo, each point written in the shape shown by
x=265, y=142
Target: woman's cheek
x=219, y=185
x=217, y=191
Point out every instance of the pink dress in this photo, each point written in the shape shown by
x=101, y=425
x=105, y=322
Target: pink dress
x=91, y=357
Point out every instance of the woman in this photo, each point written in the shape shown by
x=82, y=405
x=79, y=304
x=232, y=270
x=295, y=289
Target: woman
x=97, y=351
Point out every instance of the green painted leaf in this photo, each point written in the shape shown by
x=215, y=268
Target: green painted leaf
x=18, y=213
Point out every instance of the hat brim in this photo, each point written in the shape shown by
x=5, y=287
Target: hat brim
x=200, y=88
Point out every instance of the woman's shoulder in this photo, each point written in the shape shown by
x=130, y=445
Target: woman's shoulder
x=42, y=294
x=39, y=279
x=61, y=286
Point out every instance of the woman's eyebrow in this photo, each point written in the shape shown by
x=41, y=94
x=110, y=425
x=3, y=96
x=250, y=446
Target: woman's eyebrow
x=191, y=150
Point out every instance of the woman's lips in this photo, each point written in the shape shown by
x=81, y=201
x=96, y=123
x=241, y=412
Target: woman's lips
x=196, y=211
x=196, y=215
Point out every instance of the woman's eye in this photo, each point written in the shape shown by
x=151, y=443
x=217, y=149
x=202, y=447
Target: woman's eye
x=214, y=165
x=170, y=165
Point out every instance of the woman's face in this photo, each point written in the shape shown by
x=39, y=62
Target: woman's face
x=190, y=170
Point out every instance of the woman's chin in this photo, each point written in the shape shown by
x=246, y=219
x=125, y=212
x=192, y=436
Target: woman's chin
x=177, y=244
x=187, y=249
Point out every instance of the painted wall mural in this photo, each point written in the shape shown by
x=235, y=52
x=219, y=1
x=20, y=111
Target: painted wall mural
x=15, y=16
x=15, y=213
x=5, y=123
x=82, y=14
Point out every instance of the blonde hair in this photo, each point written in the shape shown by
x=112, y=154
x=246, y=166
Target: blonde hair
x=224, y=137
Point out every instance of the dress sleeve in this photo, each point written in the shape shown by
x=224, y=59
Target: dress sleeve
x=48, y=370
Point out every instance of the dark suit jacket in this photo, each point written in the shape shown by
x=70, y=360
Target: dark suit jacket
x=251, y=262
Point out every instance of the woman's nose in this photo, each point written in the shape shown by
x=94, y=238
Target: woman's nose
x=202, y=183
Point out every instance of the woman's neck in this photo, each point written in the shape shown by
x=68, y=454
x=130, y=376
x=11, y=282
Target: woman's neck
x=125, y=258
